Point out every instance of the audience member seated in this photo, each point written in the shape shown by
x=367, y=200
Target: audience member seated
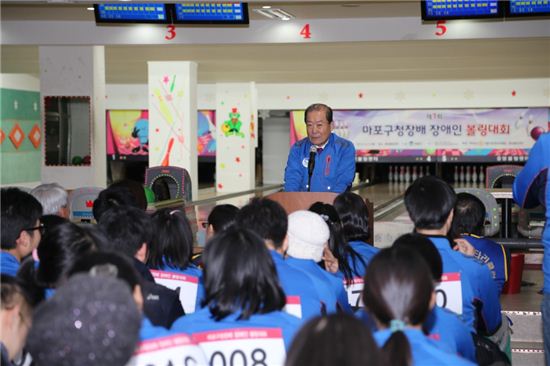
x=157, y=345
x=430, y=202
x=243, y=301
x=110, y=197
x=129, y=232
x=354, y=215
x=441, y=325
x=308, y=236
x=53, y=198
x=468, y=223
x=170, y=257
x=399, y=293
x=15, y=318
x=336, y=339
x=20, y=228
x=88, y=321
x=269, y=220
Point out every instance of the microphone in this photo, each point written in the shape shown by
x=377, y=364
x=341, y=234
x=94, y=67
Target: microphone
x=311, y=165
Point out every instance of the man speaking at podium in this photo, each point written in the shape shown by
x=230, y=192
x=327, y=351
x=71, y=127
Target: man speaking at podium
x=322, y=162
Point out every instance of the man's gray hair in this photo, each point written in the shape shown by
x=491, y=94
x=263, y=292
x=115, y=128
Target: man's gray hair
x=52, y=196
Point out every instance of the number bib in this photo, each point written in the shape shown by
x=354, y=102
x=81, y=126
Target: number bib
x=178, y=349
x=243, y=346
x=185, y=285
x=354, y=290
x=449, y=292
x=293, y=306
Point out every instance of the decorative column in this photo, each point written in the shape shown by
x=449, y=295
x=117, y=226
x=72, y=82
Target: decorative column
x=173, y=117
x=236, y=136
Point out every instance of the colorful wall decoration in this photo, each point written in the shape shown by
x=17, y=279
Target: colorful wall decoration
x=20, y=136
x=128, y=133
x=464, y=133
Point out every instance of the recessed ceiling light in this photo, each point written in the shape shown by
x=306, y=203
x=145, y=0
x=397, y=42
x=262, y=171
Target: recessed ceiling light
x=266, y=7
x=285, y=18
x=90, y=8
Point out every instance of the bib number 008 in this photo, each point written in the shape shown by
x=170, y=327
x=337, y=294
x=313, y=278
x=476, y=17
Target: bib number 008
x=238, y=357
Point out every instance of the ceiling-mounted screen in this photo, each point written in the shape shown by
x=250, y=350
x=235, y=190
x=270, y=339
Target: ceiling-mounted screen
x=523, y=8
x=461, y=9
x=211, y=13
x=131, y=13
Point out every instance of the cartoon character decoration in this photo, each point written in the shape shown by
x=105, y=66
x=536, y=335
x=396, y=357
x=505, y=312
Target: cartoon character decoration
x=233, y=125
x=206, y=144
x=533, y=127
x=141, y=132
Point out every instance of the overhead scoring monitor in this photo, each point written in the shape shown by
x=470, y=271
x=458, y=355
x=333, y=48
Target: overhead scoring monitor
x=131, y=13
x=525, y=8
x=211, y=13
x=461, y=9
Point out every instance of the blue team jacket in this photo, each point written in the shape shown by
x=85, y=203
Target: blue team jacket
x=424, y=350
x=334, y=166
x=296, y=283
x=493, y=255
x=9, y=265
x=366, y=252
x=201, y=321
x=532, y=187
x=477, y=286
x=191, y=270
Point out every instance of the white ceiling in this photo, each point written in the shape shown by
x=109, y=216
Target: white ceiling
x=315, y=62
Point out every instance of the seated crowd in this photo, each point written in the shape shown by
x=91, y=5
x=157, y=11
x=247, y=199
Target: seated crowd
x=268, y=289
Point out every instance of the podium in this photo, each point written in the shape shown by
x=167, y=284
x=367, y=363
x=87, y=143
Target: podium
x=294, y=201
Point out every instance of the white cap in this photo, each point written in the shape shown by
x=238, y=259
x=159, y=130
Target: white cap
x=308, y=234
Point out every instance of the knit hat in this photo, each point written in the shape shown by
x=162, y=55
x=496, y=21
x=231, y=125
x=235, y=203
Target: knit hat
x=88, y=321
x=307, y=235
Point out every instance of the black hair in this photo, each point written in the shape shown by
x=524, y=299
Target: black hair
x=426, y=249
x=398, y=287
x=266, y=218
x=319, y=107
x=429, y=201
x=20, y=211
x=222, y=216
x=51, y=221
x=127, y=228
x=172, y=240
x=136, y=189
x=60, y=246
x=114, y=196
x=469, y=216
x=240, y=276
x=336, y=339
x=354, y=214
x=337, y=242
x=109, y=264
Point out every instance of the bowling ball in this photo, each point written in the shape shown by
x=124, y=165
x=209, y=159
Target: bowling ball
x=77, y=160
x=536, y=132
x=87, y=160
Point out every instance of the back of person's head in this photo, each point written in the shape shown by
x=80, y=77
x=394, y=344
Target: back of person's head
x=117, y=196
x=429, y=201
x=60, y=246
x=136, y=189
x=110, y=264
x=336, y=339
x=469, y=215
x=239, y=275
x=308, y=234
x=16, y=314
x=53, y=198
x=319, y=107
x=20, y=211
x=88, y=321
x=266, y=218
x=354, y=214
x=222, y=216
x=426, y=249
x=127, y=229
x=398, y=291
x=172, y=240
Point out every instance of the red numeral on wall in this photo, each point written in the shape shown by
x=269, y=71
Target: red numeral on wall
x=305, y=32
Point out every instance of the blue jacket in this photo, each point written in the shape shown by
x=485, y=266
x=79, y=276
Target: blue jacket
x=295, y=283
x=424, y=350
x=329, y=287
x=450, y=333
x=477, y=287
x=532, y=187
x=202, y=321
x=366, y=252
x=493, y=255
x=9, y=265
x=334, y=166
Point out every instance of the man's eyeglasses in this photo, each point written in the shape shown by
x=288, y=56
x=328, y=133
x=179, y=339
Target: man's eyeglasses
x=39, y=227
x=204, y=224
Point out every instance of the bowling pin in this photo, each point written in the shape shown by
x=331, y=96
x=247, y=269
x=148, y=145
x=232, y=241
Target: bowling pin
x=481, y=175
x=468, y=174
x=474, y=176
x=455, y=176
x=407, y=174
x=461, y=176
x=401, y=174
x=414, y=173
x=390, y=174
